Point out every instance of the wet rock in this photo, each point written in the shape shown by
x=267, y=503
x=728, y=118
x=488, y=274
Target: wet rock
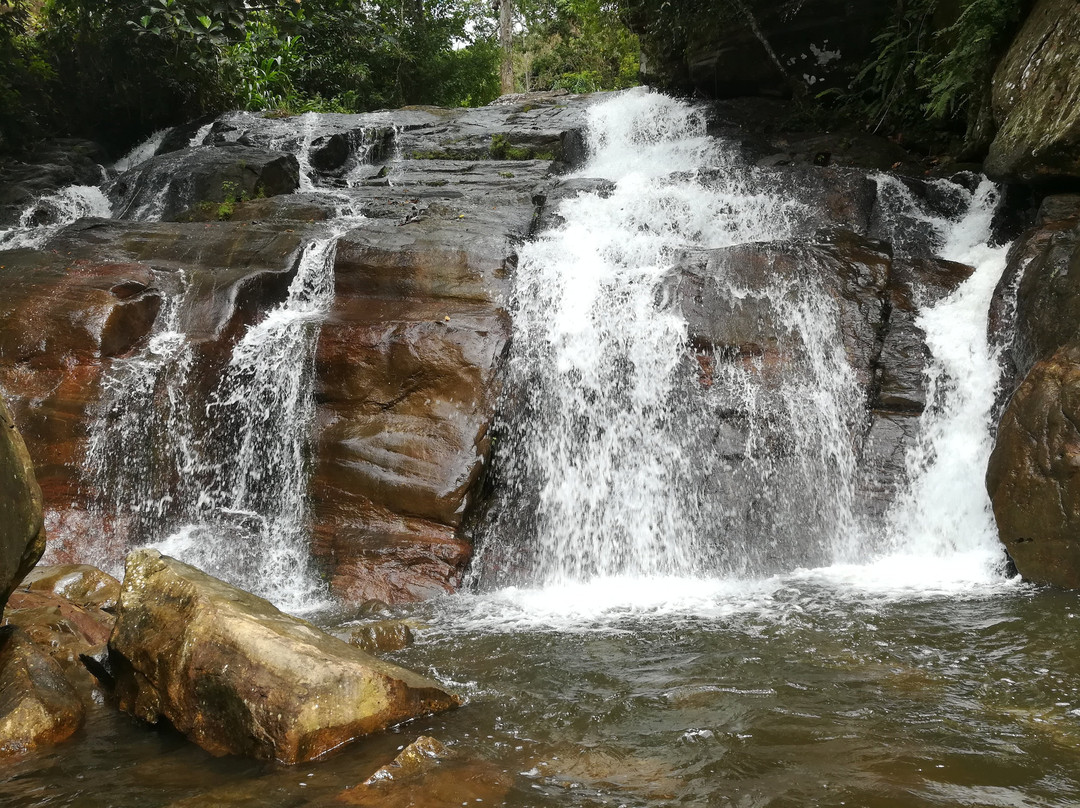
x=380, y=636
x=1034, y=473
x=914, y=285
x=730, y=297
x=52, y=165
x=38, y=706
x=428, y=775
x=65, y=630
x=1036, y=99
x=167, y=186
x=408, y=375
x=80, y=584
x=95, y=292
x=237, y=676
x=1036, y=306
x=22, y=529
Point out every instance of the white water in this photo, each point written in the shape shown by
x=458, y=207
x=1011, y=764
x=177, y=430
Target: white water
x=47, y=215
x=251, y=513
x=608, y=447
x=140, y=153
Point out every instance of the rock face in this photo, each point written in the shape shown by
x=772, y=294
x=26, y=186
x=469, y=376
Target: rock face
x=95, y=296
x=22, y=529
x=168, y=186
x=239, y=677
x=1032, y=477
x=407, y=363
x=52, y=165
x=1036, y=99
x=38, y=706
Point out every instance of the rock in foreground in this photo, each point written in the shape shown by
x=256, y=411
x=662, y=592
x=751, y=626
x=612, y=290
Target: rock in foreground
x=237, y=676
x=22, y=531
x=38, y=706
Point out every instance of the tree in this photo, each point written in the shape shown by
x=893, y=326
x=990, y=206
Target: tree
x=506, y=42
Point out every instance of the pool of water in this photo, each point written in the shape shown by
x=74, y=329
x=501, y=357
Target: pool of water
x=792, y=692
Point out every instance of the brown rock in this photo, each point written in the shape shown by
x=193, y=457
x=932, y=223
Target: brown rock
x=95, y=293
x=237, y=676
x=429, y=775
x=63, y=629
x=381, y=636
x=80, y=584
x=1034, y=472
x=22, y=531
x=38, y=706
x=407, y=381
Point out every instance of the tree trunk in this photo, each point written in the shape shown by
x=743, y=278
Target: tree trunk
x=506, y=32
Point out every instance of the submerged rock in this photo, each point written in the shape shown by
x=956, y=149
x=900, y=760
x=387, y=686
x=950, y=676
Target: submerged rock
x=237, y=676
x=22, y=531
x=38, y=706
x=381, y=635
x=427, y=774
x=1036, y=99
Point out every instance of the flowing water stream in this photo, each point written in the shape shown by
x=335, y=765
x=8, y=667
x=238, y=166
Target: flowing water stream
x=633, y=635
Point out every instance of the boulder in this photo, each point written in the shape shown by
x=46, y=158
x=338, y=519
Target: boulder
x=64, y=630
x=38, y=706
x=237, y=676
x=1035, y=321
x=168, y=186
x=22, y=529
x=79, y=584
x=1036, y=99
x=1034, y=473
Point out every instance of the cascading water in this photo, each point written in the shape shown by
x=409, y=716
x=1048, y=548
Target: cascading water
x=621, y=474
x=247, y=517
x=221, y=480
x=46, y=216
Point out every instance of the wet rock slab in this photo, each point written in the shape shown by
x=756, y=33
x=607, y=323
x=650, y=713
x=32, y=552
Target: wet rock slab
x=237, y=676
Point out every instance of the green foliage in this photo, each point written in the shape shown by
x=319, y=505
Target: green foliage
x=932, y=68
x=25, y=77
x=579, y=45
x=115, y=70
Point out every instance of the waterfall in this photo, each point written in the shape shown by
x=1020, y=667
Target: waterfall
x=945, y=511
x=47, y=215
x=247, y=520
x=220, y=480
x=624, y=466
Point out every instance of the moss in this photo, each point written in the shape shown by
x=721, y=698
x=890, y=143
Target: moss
x=506, y=175
x=502, y=149
x=430, y=155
